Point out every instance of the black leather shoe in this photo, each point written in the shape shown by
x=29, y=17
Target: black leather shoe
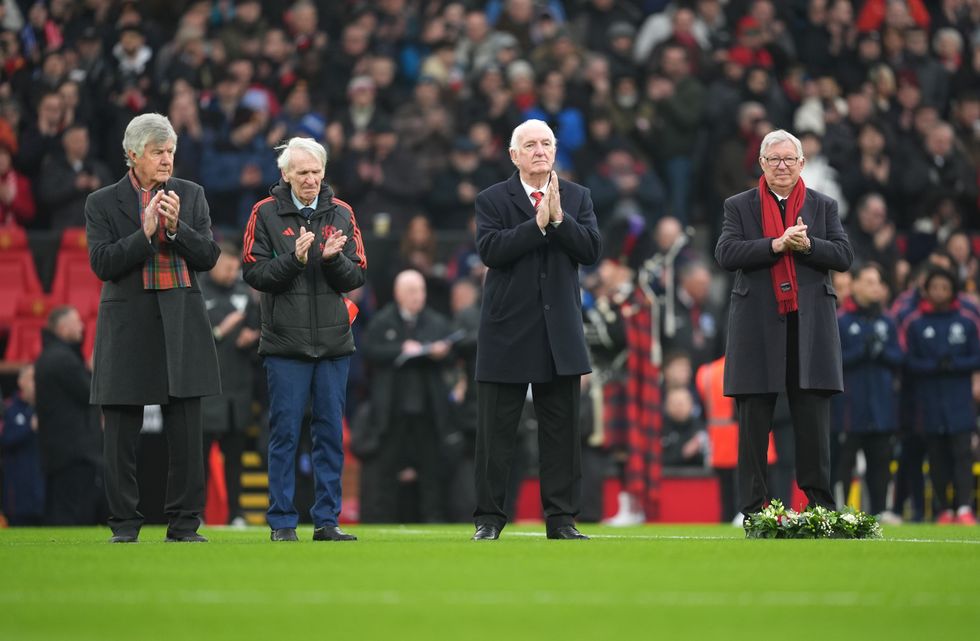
x=124, y=538
x=284, y=534
x=487, y=533
x=566, y=532
x=332, y=533
x=192, y=537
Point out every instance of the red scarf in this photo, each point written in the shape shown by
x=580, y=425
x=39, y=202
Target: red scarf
x=783, y=273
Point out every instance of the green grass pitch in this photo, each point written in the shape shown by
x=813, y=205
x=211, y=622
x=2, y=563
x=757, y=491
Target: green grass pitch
x=431, y=582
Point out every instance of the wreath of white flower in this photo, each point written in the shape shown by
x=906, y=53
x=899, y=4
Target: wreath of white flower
x=777, y=522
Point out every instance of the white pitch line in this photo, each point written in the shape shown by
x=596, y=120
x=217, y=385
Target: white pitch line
x=668, y=537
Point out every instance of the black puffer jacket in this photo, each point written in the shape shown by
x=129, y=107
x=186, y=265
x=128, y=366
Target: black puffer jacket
x=303, y=310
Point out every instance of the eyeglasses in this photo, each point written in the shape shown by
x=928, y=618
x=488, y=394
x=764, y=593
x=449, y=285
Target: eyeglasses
x=773, y=161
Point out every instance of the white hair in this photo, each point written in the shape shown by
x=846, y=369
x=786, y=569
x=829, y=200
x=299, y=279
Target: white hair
x=144, y=129
x=527, y=124
x=778, y=136
x=308, y=145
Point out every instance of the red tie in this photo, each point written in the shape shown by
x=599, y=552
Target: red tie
x=537, y=196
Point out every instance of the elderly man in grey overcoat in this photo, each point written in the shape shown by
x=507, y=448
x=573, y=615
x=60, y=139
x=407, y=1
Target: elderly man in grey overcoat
x=148, y=236
x=782, y=240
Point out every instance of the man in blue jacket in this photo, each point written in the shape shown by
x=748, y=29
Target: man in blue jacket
x=20, y=456
x=866, y=411
x=943, y=353
x=303, y=251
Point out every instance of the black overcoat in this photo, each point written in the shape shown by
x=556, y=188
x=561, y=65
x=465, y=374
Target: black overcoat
x=756, y=351
x=149, y=344
x=531, y=320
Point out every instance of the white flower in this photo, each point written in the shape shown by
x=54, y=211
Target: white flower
x=849, y=518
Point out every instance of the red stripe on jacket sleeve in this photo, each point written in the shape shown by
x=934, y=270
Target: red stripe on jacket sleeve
x=355, y=234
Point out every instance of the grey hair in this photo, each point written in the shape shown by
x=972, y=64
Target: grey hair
x=144, y=129
x=308, y=145
x=527, y=124
x=778, y=136
x=947, y=33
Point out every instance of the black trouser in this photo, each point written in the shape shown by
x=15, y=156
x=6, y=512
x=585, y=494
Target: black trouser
x=950, y=459
x=810, y=411
x=910, y=482
x=877, y=448
x=556, y=405
x=232, y=444
x=73, y=495
x=185, y=479
x=726, y=491
x=412, y=441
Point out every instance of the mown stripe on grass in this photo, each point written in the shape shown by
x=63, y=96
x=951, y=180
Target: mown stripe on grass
x=503, y=598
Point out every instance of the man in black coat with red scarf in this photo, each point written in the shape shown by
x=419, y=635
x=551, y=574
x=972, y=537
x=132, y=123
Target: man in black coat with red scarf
x=782, y=240
x=533, y=232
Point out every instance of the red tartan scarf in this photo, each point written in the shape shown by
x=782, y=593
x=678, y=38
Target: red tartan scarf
x=783, y=273
x=165, y=269
x=643, y=408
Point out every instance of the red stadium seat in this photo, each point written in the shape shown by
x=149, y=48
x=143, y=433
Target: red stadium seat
x=75, y=283
x=18, y=274
x=88, y=341
x=24, y=343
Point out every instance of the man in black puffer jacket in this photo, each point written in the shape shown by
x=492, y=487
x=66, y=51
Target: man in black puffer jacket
x=303, y=251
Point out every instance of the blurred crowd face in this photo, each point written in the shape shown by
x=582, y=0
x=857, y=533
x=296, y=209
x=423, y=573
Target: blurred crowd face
x=678, y=372
x=939, y=291
x=940, y=140
x=534, y=155
x=225, y=271
x=464, y=295
x=51, y=111
x=70, y=327
x=355, y=41
x=868, y=289
x=873, y=215
x=697, y=283
x=674, y=63
x=958, y=246
x=679, y=405
x=275, y=46
x=410, y=292
x=871, y=141
x=75, y=142
x=842, y=284
x=476, y=26
x=304, y=175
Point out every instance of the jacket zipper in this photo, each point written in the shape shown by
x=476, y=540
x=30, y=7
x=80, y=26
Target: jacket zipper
x=311, y=281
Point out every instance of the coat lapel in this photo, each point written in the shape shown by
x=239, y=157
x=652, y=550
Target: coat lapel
x=519, y=196
x=128, y=201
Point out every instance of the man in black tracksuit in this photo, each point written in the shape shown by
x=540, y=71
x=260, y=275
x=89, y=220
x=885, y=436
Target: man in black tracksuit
x=303, y=250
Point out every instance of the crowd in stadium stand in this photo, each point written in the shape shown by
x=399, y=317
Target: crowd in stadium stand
x=659, y=108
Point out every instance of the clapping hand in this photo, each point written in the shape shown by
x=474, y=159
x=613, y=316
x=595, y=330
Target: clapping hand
x=151, y=216
x=794, y=238
x=169, y=207
x=553, y=200
x=334, y=245
x=303, y=243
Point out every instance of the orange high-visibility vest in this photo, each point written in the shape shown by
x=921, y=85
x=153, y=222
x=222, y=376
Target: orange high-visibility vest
x=719, y=413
